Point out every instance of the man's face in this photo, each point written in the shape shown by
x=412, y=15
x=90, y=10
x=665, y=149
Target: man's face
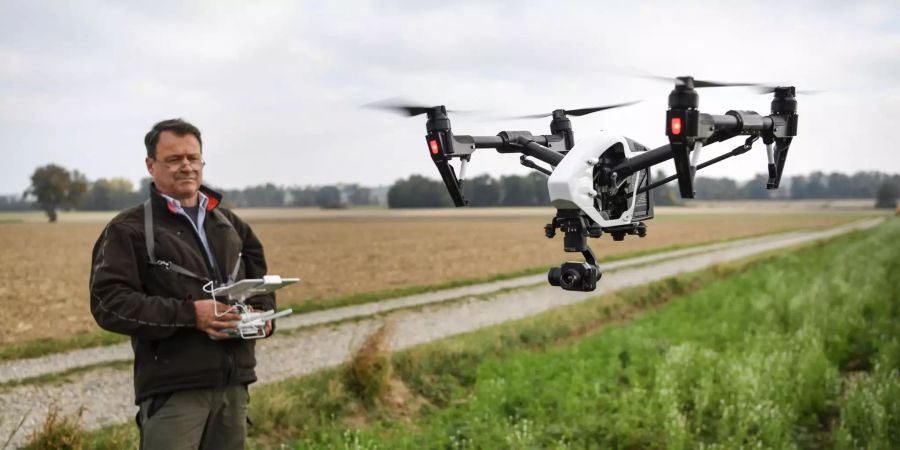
x=177, y=169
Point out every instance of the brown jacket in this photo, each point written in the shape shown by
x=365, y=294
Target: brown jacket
x=153, y=305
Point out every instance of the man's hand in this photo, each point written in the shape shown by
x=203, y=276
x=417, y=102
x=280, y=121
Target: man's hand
x=268, y=329
x=207, y=321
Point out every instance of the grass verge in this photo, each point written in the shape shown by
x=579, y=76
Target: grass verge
x=800, y=352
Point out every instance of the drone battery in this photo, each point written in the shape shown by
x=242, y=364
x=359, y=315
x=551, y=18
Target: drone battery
x=643, y=204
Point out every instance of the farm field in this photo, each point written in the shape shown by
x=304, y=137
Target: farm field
x=45, y=267
x=801, y=351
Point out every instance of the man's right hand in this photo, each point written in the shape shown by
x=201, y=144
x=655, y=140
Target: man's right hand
x=209, y=323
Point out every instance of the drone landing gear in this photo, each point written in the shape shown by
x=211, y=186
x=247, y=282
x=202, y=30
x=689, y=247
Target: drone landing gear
x=531, y=165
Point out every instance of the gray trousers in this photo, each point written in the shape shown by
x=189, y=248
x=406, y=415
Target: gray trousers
x=196, y=419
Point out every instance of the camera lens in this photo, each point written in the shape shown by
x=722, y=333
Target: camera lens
x=554, y=275
x=569, y=279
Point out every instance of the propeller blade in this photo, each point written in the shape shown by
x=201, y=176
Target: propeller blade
x=577, y=112
x=405, y=109
x=771, y=90
x=698, y=83
x=706, y=84
x=530, y=116
x=585, y=111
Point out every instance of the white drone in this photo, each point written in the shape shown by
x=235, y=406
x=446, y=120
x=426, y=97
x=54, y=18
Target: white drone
x=253, y=323
x=602, y=185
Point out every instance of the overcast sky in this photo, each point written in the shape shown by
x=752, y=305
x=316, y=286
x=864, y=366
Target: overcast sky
x=276, y=87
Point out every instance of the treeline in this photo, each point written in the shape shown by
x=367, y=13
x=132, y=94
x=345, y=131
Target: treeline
x=813, y=186
x=531, y=190
x=331, y=196
x=513, y=190
x=54, y=187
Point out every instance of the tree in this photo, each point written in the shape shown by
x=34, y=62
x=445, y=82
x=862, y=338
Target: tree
x=358, y=195
x=886, y=197
x=305, y=196
x=482, y=191
x=716, y=188
x=418, y=192
x=13, y=203
x=329, y=197
x=538, y=183
x=756, y=188
x=664, y=195
x=55, y=187
x=264, y=195
x=144, y=190
x=113, y=194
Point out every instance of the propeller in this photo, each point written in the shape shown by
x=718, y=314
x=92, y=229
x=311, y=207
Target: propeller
x=771, y=90
x=761, y=88
x=404, y=109
x=680, y=81
x=577, y=112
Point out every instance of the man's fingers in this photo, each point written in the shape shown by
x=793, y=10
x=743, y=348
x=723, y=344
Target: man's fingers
x=228, y=317
x=222, y=309
x=217, y=334
x=223, y=324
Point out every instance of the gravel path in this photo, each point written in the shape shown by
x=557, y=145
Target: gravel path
x=106, y=394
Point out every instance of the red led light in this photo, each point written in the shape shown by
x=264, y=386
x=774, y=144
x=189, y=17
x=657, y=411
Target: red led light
x=676, y=125
x=433, y=144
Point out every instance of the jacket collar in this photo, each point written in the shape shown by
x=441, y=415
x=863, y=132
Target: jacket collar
x=214, y=198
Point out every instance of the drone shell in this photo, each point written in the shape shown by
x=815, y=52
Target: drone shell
x=571, y=185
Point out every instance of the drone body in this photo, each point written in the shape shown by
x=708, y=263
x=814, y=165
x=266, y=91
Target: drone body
x=602, y=185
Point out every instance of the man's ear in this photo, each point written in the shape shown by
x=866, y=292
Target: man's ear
x=149, y=163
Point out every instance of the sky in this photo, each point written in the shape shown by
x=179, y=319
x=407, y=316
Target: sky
x=277, y=88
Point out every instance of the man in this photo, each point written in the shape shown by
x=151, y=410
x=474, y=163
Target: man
x=152, y=269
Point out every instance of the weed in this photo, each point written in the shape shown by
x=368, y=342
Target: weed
x=58, y=432
x=368, y=372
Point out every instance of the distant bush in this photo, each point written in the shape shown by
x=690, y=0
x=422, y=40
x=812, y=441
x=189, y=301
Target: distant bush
x=329, y=197
x=418, y=192
x=886, y=197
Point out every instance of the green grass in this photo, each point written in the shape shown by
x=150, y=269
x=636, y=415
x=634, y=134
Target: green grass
x=41, y=347
x=65, y=375
x=802, y=352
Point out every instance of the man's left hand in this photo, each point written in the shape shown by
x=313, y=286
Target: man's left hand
x=268, y=329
